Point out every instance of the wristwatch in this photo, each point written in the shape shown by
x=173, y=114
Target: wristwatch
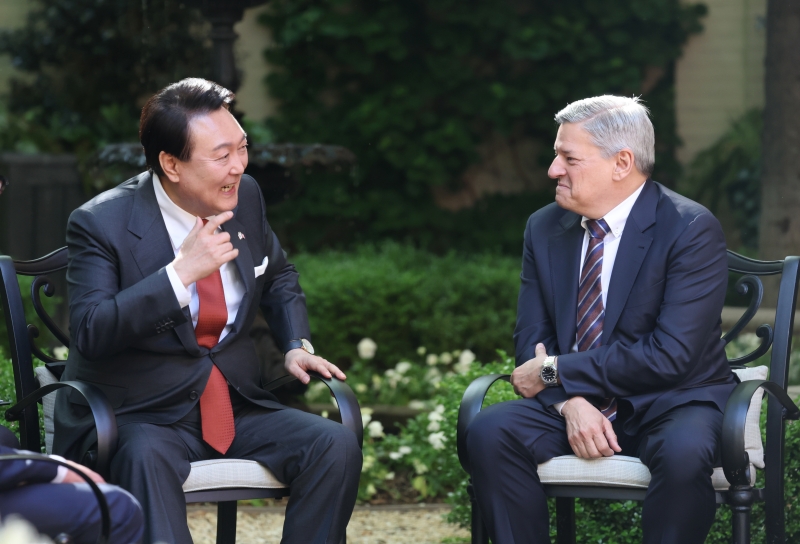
x=549, y=372
x=301, y=343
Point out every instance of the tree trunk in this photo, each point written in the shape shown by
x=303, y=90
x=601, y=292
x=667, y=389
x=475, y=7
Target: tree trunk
x=779, y=232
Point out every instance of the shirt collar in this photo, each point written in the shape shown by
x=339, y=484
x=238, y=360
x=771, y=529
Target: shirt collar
x=178, y=221
x=617, y=217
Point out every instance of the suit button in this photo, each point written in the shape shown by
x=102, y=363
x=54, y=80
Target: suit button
x=193, y=395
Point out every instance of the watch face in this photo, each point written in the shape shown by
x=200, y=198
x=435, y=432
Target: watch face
x=548, y=374
x=307, y=346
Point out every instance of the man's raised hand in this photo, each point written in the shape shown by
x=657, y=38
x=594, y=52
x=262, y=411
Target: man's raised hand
x=204, y=250
x=589, y=432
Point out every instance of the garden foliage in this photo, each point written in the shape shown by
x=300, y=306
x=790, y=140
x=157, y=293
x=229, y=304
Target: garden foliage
x=404, y=298
x=414, y=87
x=88, y=66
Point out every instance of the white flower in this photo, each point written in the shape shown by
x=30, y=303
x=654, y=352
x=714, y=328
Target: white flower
x=361, y=388
x=435, y=416
x=466, y=357
x=402, y=367
x=371, y=490
x=437, y=440
x=439, y=408
x=433, y=426
x=393, y=377
x=401, y=451
x=61, y=352
x=433, y=376
x=446, y=358
x=369, y=461
x=419, y=466
x=389, y=476
x=366, y=348
x=404, y=450
x=375, y=429
x=431, y=359
x=17, y=530
x=416, y=404
x=324, y=414
x=395, y=455
x=366, y=416
x=421, y=350
x=376, y=382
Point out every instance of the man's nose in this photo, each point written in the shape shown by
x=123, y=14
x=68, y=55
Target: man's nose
x=238, y=164
x=556, y=170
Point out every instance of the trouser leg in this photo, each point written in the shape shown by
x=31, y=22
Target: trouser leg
x=681, y=450
x=152, y=462
x=505, y=445
x=319, y=459
x=73, y=509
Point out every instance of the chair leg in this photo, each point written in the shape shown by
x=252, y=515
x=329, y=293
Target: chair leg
x=226, y=522
x=565, y=520
x=741, y=499
x=479, y=533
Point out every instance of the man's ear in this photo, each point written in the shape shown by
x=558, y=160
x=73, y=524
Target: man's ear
x=624, y=165
x=170, y=165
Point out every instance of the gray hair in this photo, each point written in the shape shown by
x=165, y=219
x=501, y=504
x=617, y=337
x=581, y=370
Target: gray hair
x=615, y=123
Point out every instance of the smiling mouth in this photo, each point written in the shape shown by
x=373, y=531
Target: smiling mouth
x=228, y=188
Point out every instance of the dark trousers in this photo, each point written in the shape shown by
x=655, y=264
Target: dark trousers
x=318, y=458
x=506, y=442
x=71, y=508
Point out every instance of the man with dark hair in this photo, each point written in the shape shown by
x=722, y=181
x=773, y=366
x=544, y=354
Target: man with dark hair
x=166, y=272
x=617, y=341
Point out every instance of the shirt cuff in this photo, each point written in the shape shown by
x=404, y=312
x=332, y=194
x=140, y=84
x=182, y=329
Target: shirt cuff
x=62, y=470
x=181, y=292
x=559, y=406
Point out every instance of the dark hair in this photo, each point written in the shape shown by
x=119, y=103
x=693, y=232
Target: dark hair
x=164, y=125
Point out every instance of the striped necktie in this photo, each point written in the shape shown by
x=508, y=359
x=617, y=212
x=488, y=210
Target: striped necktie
x=591, y=310
x=216, y=411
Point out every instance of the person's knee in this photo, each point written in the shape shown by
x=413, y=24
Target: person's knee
x=487, y=432
x=340, y=446
x=681, y=458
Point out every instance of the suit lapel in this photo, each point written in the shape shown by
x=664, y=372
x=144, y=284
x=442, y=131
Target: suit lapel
x=245, y=266
x=633, y=247
x=154, y=248
x=565, y=254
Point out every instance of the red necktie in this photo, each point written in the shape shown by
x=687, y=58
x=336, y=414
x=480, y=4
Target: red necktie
x=591, y=311
x=216, y=412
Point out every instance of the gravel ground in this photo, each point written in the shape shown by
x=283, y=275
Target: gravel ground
x=415, y=524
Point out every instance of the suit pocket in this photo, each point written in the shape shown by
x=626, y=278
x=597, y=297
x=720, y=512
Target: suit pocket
x=259, y=270
x=115, y=395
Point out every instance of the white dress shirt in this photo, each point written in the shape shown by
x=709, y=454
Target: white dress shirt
x=616, y=220
x=179, y=223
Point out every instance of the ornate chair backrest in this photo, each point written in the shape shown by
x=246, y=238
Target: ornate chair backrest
x=779, y=337
x=22, y=335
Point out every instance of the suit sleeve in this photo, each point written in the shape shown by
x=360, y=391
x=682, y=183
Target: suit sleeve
x=694, y=292
x=534, y=324
x=283, y=302
x=105, y=319
x=19, y=472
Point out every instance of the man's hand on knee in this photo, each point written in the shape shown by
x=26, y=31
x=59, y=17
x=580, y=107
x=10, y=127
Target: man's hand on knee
x=589, y=432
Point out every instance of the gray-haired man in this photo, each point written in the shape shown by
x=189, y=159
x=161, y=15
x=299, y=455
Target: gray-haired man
x=618, y=335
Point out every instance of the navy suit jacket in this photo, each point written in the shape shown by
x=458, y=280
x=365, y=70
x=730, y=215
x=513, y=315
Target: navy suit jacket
x=20, y=472
x=661, y=344
x=131, y=338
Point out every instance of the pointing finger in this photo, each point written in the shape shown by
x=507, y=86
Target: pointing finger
x=218, y=220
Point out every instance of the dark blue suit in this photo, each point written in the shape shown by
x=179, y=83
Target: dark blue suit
x=661, y=357
x=26, y=490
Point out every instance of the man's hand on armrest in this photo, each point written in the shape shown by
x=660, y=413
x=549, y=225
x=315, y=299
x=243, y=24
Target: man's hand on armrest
x=589, y=432
x=298, y=361
x=526, y=378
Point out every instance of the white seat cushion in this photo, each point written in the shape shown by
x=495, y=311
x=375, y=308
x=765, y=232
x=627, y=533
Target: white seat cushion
x=227, y=473
x=616, y=471
x=752, y=430
x=45, y=377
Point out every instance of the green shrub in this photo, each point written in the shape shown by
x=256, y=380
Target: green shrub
x=404, y=298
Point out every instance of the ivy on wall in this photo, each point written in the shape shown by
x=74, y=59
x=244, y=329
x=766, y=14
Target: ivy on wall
x=88, y=66
x=414, y=86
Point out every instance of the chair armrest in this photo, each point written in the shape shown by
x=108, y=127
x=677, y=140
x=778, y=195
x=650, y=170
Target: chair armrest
x=735, y=461
x=345, y=398
x=471, y=404
x=105, y=528
x=104, y=419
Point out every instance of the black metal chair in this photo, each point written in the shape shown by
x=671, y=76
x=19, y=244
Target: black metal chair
x=739, y=472
x=221, y=481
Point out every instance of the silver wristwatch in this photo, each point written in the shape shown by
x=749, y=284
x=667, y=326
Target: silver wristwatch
x=549, y=372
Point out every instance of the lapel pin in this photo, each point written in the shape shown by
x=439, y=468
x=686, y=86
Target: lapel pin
x=241, y=236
